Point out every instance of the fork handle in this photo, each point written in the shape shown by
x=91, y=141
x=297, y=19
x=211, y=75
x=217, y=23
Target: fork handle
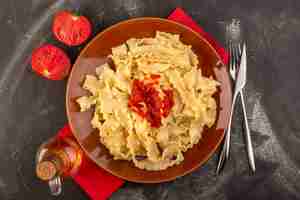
x=224, y=155
x=228, y=131
x=222, y=158
x=248, y=137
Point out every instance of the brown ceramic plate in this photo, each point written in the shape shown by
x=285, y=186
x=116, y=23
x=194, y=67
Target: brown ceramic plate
x=95, y=53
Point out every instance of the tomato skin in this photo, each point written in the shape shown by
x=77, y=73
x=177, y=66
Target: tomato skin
x=50, y=62
x=70, y=28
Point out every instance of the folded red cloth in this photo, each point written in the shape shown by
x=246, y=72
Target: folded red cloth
x=96, y=182
x=180, y=16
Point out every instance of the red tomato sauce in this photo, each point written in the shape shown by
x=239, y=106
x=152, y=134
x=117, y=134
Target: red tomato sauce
x=147, y=103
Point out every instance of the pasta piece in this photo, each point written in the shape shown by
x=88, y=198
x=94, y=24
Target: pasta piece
x=86, y=102
x=119, y=50
x=92, y=84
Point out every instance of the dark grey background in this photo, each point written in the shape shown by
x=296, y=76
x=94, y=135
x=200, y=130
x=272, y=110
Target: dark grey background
x=32, y=109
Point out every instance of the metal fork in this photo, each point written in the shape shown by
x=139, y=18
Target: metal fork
x=233, y=43
x=233, y=62
x=236, y=52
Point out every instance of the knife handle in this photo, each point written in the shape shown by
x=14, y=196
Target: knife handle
x=249, y=146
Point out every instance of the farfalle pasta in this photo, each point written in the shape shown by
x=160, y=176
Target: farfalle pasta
x=153, y=105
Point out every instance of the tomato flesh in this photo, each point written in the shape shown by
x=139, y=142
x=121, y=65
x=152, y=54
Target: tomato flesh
x=51, y=62
x=71, y=29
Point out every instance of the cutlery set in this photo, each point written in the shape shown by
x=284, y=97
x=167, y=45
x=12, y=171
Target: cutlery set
x=237, y=70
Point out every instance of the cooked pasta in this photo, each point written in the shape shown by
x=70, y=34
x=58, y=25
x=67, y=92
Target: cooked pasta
x=153, y=106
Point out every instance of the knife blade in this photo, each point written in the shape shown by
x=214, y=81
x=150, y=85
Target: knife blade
x=242, y=74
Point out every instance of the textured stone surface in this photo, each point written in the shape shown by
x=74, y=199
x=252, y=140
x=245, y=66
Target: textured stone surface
x=32, y=109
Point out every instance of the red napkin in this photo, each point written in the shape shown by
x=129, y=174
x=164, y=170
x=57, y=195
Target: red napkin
x=96, y=182
x=181, y=17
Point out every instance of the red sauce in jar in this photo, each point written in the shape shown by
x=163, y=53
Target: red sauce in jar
x=146, y=101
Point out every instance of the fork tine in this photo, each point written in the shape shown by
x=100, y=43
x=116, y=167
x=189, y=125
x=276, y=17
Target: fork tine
x=238, y=52
x=234, y=57
x=240, y=49
x=231, y=55
x=232, y=61
x=229, y=52
x=237, y=57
